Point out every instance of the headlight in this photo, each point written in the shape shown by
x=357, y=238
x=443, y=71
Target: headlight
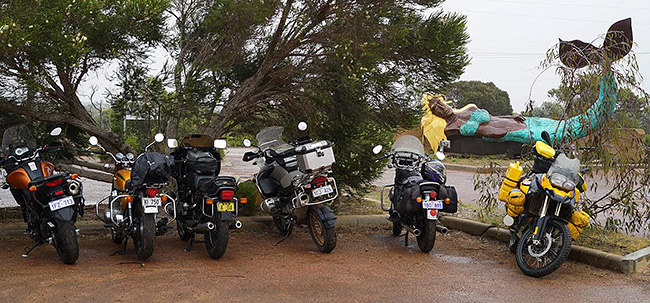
x=562, y=182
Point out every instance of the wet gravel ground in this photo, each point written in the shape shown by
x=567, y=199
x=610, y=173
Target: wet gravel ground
x=368, y=265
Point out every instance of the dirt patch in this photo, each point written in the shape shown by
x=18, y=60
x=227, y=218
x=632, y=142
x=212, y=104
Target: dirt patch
x=368, y=265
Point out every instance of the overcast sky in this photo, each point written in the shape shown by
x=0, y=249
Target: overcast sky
x=509, y=38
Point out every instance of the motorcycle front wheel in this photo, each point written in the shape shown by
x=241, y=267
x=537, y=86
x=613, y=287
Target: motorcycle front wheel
x=324, y=237
x=65, y=241
x=216, y=240
x=145, y=235
x=538, y=260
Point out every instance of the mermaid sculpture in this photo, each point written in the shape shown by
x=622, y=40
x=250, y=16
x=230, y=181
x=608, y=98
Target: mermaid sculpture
x=441, y=121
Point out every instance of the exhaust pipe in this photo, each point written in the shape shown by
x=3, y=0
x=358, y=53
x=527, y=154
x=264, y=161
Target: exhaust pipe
x=413, y=230
x=204, y=227
x=238, y=224
x=441, y=229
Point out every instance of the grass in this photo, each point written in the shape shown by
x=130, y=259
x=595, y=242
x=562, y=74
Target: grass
x=472, y=160
x=611, y=241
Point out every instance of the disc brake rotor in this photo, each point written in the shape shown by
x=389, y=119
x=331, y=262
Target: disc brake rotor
x=538, y=251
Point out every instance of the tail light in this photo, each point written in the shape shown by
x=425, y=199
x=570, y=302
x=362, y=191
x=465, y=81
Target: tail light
x=58, y=193
x=433, y=195
x=151, y=192
x=54, y=183
x=227, y=194
x=319, y=181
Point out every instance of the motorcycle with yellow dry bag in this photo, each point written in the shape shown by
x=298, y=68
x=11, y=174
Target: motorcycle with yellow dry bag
x=541, y=209
x=131, y=209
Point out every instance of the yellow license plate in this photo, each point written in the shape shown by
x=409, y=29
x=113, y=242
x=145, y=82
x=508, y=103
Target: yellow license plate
x=226, y=206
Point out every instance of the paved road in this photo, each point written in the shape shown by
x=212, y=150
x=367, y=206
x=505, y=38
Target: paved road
x=368, y=265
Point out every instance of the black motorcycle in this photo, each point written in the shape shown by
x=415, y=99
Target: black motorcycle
x=206, y=201
x=419, y=193
x=295, y=181
x=50, y=200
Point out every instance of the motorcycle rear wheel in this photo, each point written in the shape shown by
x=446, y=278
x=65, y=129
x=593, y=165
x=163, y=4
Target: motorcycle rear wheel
x=65, y=241
x=216, y=240
x=427, y=238
x=145, y=236
x=397, y=229
x=116, y=237
x=183, y=232
x=556, y=242
x=324, y=237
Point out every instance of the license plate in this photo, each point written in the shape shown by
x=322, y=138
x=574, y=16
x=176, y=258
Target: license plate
x=226, y=206
x=151, y=205
x=432, y=204
x=61, y=203
x=321, y=191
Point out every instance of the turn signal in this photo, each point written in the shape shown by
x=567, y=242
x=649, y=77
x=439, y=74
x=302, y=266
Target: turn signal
x=129, y=199
x=163, y=198
x=74, y=176
x=447, y=201
x=32, y=188
x=418, y=199
x=209, y=201
x=243, y=200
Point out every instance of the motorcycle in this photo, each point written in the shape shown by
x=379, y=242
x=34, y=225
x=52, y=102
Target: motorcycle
x=50, y=200
x=419, y=193
x=206, y=201
x=295, y=181
x=540, y=205
x=136, y=196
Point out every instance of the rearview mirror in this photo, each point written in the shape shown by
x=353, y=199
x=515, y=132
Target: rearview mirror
x=159, y=137
x=302, y=126
x=220, y=143
x=172, y=143
x=247, y=143
x=55, y=132
x=93, y=141
x=377, y=149
x=440, y=155
x=546, y=137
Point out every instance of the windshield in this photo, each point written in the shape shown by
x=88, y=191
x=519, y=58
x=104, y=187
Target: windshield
x=570, y=168
x=408, y=143
x=17, y=136
x=271, y=137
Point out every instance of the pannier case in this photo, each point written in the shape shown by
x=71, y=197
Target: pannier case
x=315, y=156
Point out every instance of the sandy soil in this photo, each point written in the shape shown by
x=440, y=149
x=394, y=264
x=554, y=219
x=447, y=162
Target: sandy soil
x=368, y=265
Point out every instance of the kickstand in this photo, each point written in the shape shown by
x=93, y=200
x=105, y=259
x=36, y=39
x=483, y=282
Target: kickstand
x=284, y=238
x=28, y=250
x=122, y=250
x=189, y=247
x=406, y=239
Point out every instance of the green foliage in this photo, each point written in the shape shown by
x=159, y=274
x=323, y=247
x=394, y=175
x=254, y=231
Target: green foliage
x=248, y=190
x=485, y=95
x=548, y=109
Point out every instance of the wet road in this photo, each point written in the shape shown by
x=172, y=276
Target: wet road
x=368, y=265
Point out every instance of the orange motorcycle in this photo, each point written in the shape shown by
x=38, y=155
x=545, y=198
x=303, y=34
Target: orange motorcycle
x=50, y=200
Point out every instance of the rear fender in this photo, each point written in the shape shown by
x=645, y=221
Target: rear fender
x=64, y=214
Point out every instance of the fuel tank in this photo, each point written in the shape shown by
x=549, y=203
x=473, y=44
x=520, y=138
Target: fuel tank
x=120, y=178
x=19, y=178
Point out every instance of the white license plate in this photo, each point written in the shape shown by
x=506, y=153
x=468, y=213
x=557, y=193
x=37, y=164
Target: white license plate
x=432, y=204
x=321, y=191
x=61, y=203
x=151, y=205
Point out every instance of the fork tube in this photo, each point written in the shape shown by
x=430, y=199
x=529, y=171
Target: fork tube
x=544, y=208
x=557, y=209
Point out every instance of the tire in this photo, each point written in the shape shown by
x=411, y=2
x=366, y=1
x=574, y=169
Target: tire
x=427, y=238
x=183, y=232
x=513, y=243
x=116, y=237
x=397, y=229
x=559, y=232
x=216, y=241
x=65, y=241
x=279, y=224
x=324, y=237
x=145, y=236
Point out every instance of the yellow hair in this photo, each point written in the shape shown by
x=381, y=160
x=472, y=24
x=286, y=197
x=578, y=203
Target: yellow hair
x=432, y=126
